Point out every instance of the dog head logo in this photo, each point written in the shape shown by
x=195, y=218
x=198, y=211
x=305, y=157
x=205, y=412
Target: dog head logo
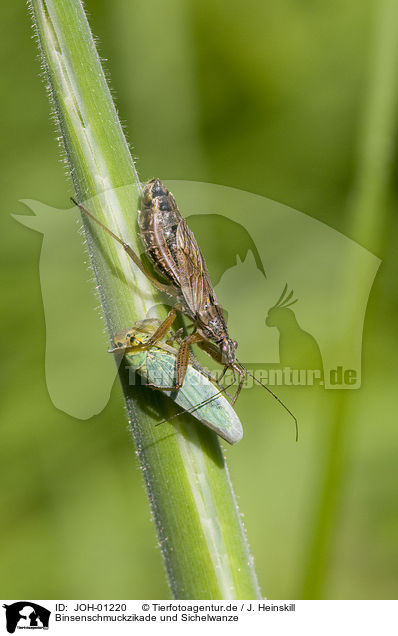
x=26, y=615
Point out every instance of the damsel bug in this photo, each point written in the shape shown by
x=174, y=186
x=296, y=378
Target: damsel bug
x=172, y=248
x=157, y=366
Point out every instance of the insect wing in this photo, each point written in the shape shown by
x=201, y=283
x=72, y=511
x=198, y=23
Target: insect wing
x=218, y=414
x=193, y=275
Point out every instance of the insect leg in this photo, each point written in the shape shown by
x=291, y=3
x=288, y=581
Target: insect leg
x=242, y=376
x=177, y=336
x=182, y=360
x=162, y=330
x=223, y=372
x=157, y=335
x=168, y=289
x=183, y=357
x=214, y=353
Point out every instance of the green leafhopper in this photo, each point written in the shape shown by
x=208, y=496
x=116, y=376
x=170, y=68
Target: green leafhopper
x=198, y=394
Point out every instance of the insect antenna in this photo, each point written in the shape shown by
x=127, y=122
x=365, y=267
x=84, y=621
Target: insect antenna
x=128, y=249
x=273, y=395
x=94, y=218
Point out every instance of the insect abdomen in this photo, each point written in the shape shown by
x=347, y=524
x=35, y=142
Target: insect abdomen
x=158, y=221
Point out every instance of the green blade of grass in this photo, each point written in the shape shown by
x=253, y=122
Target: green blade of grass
x=366, y=221
x=199, y=528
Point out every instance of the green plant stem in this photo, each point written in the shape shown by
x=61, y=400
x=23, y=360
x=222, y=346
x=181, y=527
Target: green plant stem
x=366, y=218
x=199, y=528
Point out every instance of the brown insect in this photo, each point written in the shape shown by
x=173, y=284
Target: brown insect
x=173, y=251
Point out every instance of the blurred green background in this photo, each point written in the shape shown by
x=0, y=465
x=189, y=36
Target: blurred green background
x=295, y=101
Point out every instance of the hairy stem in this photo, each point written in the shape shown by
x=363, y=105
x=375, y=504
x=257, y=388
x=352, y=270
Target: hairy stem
x=199, y=528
